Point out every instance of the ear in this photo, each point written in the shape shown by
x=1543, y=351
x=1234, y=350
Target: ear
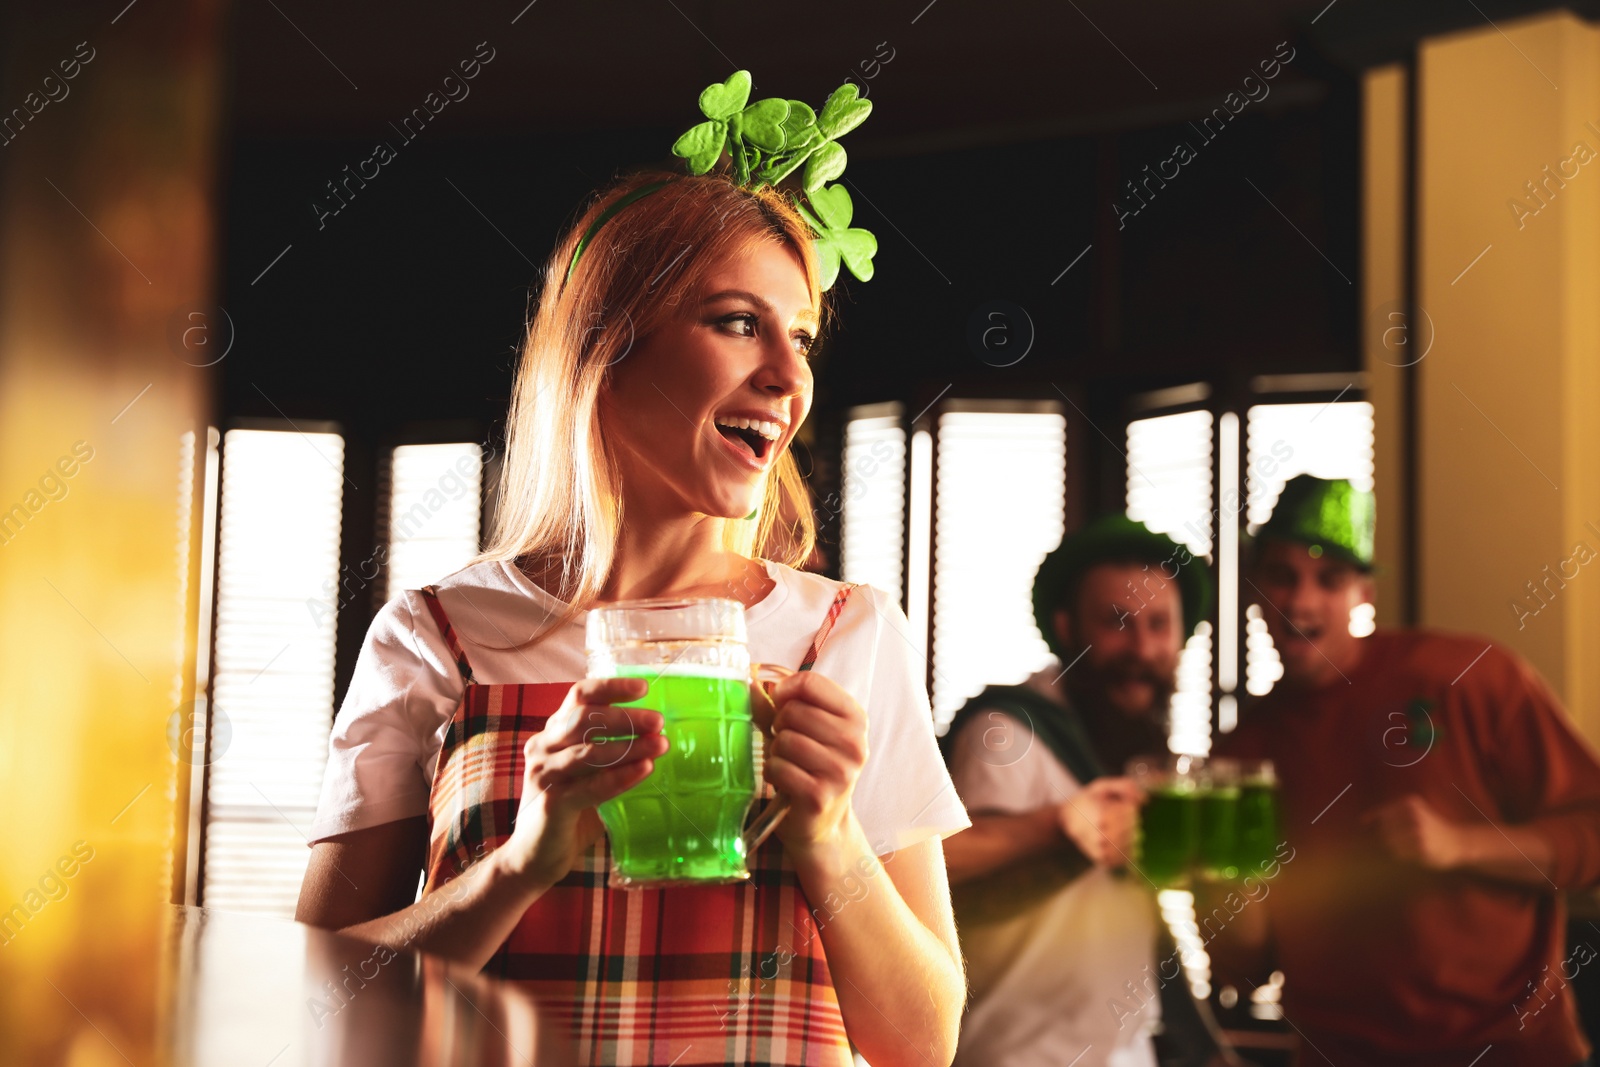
x=1366, y=589
x=1061, y=622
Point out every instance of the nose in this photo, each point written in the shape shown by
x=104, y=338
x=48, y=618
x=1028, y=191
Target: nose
x=1143, y=643
x=1146, y=643
x=1299, y=598
x=784, y=372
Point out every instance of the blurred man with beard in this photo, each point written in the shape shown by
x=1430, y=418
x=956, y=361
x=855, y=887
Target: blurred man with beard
x=1438, y=803
x=1060, y=941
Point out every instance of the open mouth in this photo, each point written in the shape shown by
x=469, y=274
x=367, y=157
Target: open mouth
x=756, y=436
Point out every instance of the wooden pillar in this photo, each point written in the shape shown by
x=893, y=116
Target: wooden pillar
x=1391, y=341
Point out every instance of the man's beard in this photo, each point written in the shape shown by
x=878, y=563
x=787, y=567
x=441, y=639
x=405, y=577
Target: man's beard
x=1118, y=734
x=1089, y=685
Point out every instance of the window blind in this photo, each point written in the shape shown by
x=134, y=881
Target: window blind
x=272, y=682
x=999, y=498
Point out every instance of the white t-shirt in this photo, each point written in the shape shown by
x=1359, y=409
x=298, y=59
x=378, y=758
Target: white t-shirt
x=1047, y=984
x=406, y=687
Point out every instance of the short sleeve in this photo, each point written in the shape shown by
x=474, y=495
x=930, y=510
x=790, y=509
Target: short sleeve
x=1001, y=767
x=904, y=794
x=404, y=689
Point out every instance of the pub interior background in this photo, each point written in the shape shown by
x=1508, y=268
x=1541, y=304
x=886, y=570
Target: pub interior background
x=281, y=392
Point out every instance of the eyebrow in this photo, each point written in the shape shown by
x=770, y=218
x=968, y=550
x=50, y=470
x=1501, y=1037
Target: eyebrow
x=807, y=316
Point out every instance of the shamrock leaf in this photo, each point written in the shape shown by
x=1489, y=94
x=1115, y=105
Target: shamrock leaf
x=800, y=120
x=722, y=100
x=797, y=149
x=836, y=239
x=856, y=247
x=832, y=206
x=843, y=112
x=702, y=146
x=762, y=123
x=825, y=164
x=771, y=139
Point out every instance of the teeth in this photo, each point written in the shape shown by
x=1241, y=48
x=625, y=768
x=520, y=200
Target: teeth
x=770, y=430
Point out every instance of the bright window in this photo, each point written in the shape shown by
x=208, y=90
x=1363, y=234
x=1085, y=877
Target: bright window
x=272, y=683
x=1170, y=490
x=435, y=508
x=999, y=496
x=1169, y=477
x=872, y=538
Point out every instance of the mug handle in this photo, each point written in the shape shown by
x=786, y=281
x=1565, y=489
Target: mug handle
x=778, y=807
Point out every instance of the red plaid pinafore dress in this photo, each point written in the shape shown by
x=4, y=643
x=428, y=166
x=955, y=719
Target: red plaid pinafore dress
x=702, y=975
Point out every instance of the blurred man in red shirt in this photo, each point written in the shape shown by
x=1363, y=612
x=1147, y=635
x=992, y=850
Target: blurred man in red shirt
x=1439, y=803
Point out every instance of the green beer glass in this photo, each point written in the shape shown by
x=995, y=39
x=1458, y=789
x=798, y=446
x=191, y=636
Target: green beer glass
x=1219, y=820
x=1258, y=827
x=1168, y=841
x=685, y=823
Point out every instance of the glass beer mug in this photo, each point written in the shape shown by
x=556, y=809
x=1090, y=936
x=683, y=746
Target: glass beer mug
x=685, y=823
x=1168, y=840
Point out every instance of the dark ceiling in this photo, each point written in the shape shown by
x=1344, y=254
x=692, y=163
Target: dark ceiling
x=1003, y=141
x=957, y=72
x=961, y=72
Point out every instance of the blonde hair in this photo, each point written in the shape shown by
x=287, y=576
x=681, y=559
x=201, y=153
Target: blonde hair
x=560, y=498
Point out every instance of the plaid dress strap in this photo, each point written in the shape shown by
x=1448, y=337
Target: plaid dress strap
x=694, y=976
x=430, y=596
x=839, y=600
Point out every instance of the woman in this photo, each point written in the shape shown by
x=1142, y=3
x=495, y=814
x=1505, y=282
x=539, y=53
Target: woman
x=648, y=455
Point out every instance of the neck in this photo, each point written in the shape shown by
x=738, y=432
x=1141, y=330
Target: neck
x=679, y=555
x=1331, y=668
x=664, y=560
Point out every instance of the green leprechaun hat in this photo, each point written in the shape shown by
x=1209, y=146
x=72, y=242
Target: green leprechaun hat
x=1328, y=515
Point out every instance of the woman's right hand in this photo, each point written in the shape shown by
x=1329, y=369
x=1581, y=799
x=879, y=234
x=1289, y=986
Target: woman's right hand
x=569, y=767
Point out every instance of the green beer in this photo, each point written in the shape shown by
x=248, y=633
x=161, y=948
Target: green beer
x=1219, y=818
x=685, y=822
x=1257, y=824
x=1169, y=833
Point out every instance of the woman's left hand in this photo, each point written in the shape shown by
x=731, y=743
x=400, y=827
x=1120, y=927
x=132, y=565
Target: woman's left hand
x=817, y=750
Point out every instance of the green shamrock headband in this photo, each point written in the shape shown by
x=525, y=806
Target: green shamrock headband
x=768, y=141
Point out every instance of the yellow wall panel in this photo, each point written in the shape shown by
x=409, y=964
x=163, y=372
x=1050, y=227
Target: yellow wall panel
x=1509, y=268
x=106, y=232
